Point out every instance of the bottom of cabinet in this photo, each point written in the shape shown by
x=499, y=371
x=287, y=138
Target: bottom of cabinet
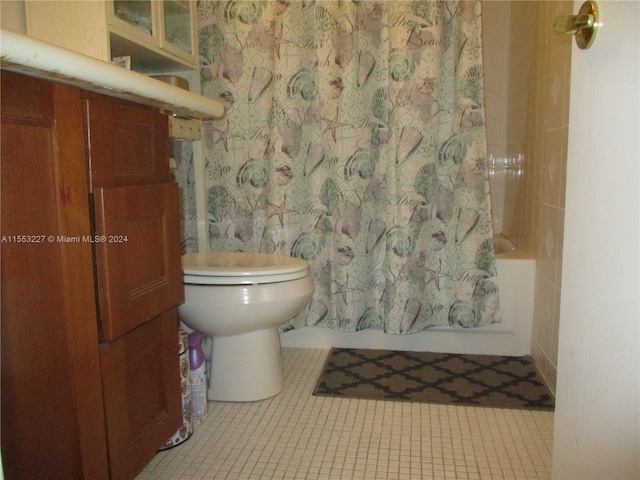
x=141, y=389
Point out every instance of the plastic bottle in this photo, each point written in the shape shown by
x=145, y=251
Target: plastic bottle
x=198, y=375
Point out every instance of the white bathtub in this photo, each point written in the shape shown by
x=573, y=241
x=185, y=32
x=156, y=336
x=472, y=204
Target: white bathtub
x=512, y=337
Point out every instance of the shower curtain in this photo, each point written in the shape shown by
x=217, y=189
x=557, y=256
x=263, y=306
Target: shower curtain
x=355, y=140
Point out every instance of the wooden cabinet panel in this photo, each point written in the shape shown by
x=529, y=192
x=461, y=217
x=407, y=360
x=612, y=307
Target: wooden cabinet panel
x=72, y=409
x=128, y=144
x=51, y=400
x=141, y=377
x=139, y=272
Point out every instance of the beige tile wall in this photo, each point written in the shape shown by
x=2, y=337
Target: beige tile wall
x=537, y=105
x=547, y=146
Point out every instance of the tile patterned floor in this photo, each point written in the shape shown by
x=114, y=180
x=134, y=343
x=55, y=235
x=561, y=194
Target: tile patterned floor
x=295, y=435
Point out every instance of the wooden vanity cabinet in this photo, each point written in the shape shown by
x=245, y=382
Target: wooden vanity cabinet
x=89, y=369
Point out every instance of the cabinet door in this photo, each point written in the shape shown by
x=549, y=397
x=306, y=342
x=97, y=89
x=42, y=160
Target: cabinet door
x=143, y=405
x=52, y=415
x=179, y=27
x=137, y=17
x=128, y=143
x=137, y=242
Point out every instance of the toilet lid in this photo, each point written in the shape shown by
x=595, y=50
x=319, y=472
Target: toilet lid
x=238, y=268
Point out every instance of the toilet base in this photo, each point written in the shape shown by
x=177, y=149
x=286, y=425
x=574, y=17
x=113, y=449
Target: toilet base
x=246, y=367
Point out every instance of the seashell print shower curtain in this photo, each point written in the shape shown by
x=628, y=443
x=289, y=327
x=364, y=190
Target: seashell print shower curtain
x=355, y=140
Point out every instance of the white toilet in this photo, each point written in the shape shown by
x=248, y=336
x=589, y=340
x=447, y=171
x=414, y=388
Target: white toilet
x=239, y=299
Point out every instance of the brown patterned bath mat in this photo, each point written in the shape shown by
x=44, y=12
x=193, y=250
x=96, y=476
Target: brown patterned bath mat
x=445, y=378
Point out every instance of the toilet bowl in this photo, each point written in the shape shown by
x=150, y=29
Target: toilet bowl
x=239, y=300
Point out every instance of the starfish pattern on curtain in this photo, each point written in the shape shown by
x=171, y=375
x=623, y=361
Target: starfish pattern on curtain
x=355, y=140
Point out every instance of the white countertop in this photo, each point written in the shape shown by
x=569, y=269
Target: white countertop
x=29, y=56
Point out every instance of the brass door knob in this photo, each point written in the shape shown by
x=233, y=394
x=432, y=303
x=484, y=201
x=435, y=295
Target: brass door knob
x=583, y=25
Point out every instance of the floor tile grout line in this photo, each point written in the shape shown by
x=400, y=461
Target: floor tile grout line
x=297, y=436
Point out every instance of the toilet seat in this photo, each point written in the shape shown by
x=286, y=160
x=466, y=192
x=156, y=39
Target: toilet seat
x=241, y=268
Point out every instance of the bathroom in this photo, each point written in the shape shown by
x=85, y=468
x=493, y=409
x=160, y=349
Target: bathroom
x=526, y=200
x=540, y=229
x=530, y=156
